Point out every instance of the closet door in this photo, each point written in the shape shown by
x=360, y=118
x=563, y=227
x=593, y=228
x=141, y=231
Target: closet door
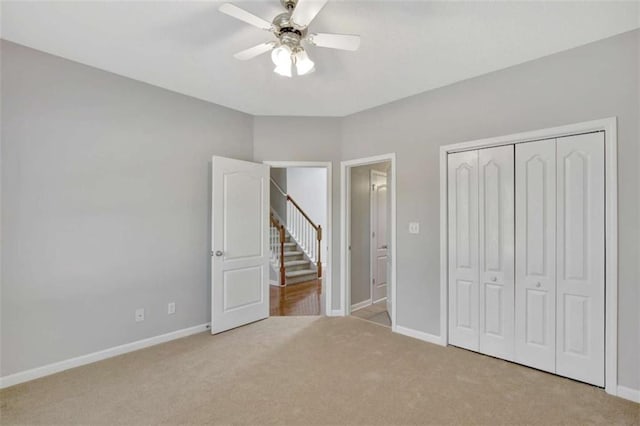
x=580, y=254
x=535, y=301
x=463, y=249
x=496, y=248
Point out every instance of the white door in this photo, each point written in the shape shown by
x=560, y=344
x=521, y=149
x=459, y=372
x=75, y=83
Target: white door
x=239, y=243
x=580, y=258
x=535, y=299
x=496, y=250
x=463, y=249
x=379, y=235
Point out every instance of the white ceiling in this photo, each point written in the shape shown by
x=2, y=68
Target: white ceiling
x=407, y=47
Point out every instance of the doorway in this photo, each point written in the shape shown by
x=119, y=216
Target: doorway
x=299, y=238
x=368, y=244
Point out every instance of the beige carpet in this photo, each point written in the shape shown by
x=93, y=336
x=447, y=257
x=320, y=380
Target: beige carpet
x=308, y=370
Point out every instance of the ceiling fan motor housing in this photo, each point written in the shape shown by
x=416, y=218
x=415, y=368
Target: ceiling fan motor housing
x=286, y=32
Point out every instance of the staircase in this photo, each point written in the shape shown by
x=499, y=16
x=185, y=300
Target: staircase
x=298, y=267
x=295, y=244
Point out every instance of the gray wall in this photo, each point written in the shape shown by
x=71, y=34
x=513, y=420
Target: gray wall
x=278, y=201
x=591, y=82
x=360, y=184
x=305, y=139
x=105, y=207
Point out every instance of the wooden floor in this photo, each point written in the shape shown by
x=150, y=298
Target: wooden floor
x=296, y=299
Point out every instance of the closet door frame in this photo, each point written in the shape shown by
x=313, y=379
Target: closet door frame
x=609, y=127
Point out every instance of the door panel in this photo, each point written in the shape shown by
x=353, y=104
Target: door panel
x=535, y=283
x=239, y=242
x=379, y=237
x=463, y=249
x=496, y=250
x=580, y=248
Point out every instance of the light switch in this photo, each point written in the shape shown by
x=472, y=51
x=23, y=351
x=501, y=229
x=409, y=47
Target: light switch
x=414, y=227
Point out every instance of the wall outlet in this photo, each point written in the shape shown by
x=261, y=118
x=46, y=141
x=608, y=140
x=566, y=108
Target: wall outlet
x=139, y=314
x=171, y=308
x=414, y=227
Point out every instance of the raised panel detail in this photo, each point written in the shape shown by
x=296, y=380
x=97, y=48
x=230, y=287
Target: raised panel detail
x=493, y=310
x=536, y=198
x=243, y=225
x=576, y=212
x=242, y=287
x=576, y=324
x=463, y=292
x=492, y=217
x=463, y=216
x=536, y=317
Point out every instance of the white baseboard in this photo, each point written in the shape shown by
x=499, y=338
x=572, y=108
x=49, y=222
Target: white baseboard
x=628, y=393
x=420, y=335
x=335, y=313
x=360, y=305
x=46, y=370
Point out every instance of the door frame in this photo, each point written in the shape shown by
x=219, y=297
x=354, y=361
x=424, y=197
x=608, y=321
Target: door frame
x=372, y=249
x=609, y=126
x=345, y=231
x=326, y=281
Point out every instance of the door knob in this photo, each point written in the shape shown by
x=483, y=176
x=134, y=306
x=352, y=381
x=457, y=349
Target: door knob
x=538, y=284
x=494, y=279
x=218, y=253
x=384, y=247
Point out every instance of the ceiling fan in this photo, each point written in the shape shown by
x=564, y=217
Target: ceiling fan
x=291, y=31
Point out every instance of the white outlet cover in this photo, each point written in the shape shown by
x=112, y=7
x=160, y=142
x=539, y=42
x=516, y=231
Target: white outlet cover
x=139, y=314
x=171, y=308
x=414, y=227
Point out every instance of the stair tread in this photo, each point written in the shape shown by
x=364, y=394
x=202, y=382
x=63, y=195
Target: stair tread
x=292, y=253
x=290, y=244
x=300, y=272
x=295, y=262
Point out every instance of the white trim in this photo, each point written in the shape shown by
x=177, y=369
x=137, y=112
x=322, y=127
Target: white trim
x=628, y=393
x=335, y=313
x=420, y=335
x=360, y=305
x=345, y=216
x=274, y=283
x=609, y=126
x=56, y=367
x=327, y=279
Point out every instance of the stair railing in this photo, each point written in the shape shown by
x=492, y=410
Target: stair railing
x=302, y=229
x=276, y=243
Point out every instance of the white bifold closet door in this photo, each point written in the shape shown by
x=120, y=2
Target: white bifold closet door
x=560, y=285
x=526, y=254
x=481, y=235
x=535, y=302
x=580, y=258
x=496, y=226
x=463, y=249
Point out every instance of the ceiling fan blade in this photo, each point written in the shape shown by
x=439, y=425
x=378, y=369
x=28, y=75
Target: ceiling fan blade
x=335, y=41
x=305, y=11
x=241, y=14
x=254, y=51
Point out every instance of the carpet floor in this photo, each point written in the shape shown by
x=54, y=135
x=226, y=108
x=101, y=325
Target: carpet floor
x=308, y=370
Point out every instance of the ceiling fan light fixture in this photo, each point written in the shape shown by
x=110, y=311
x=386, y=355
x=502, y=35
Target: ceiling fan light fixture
x=284, y=69
x=304, y=65
x=281, y=55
